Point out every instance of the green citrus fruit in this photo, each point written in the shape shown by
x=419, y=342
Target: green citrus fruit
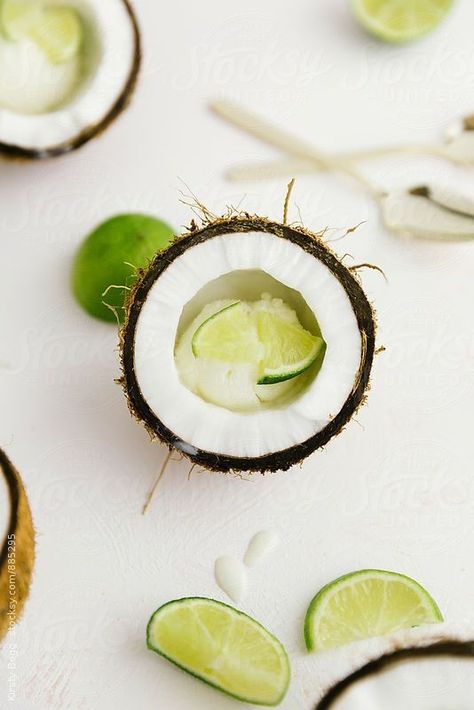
x=110, y=255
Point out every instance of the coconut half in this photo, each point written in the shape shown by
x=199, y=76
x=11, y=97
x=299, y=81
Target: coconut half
x=239, y=258
x=93, y=89
x=17, y=545
x=428, y=676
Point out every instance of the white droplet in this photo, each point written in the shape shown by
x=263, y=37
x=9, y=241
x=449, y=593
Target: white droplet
x=231, y=576
x=261, y=545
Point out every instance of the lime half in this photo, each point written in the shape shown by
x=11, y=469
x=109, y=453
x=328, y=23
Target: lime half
x=106, y=263
x=400, y=20
x=223, y=647
x=237, y=334
x=365, y=604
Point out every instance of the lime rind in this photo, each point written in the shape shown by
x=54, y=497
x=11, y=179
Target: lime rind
x=260, y=338
x=112, y=255
x=316, y=607
x=276, y=644
x=379, y=23
x=272, y=377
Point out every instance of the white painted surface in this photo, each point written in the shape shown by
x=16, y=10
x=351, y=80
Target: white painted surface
x=396, y=490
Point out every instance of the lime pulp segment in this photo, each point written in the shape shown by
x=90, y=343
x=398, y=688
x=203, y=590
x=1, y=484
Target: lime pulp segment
x=289, y=349
x=236, y=334
x=223, y=647
x=400, y=20
x=366, y=604
x=228, y=336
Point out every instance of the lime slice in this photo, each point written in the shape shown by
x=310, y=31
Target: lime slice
x=17, y=17
x=289, y=348
x=223, y=647
x=58, y=33
x=228, y=336
x=281, y=349
x=365, y=604
x=400, y=20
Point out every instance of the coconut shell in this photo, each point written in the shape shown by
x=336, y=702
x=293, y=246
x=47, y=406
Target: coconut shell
x=447, y=647
x=8, y=150
x=313, y=244
x=15, y=578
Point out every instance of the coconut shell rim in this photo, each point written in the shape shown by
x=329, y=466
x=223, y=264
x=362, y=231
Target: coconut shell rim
x=442, y=648
x=21, y=526
x=309, y=242
x=17, y=152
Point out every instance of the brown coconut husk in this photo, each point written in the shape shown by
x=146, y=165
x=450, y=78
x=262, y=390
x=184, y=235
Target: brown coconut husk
x=17, y=560
x=446, y=647
x=310, y=242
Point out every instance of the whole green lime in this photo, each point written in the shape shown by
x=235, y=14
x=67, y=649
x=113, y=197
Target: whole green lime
x=110, y=255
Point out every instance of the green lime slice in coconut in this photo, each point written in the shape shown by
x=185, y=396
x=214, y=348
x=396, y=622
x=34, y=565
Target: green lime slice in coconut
x=400, y=20
x=228, y=336
x=109, y=257
x=236, y=334
x=56, y=29
x=366, y=604
x=289, y=348
x=223, y=647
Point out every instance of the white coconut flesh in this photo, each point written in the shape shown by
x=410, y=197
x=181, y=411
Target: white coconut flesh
x=446, y=215
x=243, y=266
x=431, y=683
x=43, y=104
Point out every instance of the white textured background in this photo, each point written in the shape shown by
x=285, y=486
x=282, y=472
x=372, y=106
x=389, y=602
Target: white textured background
x=396, y=490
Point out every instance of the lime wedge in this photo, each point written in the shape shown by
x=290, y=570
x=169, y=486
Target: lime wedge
x=280, y=349
x=228, y=336
x=17, y=17
x=289, y=348
x=58, y=32
x=400, y=20
x=223, y=647
x=365, y=604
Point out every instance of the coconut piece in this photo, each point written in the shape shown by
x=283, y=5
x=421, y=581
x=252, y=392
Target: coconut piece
x=427, y=675
x=240, y=258
x=17, y=545
x=91, y=95
x=454, y=200
x=415, y=213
